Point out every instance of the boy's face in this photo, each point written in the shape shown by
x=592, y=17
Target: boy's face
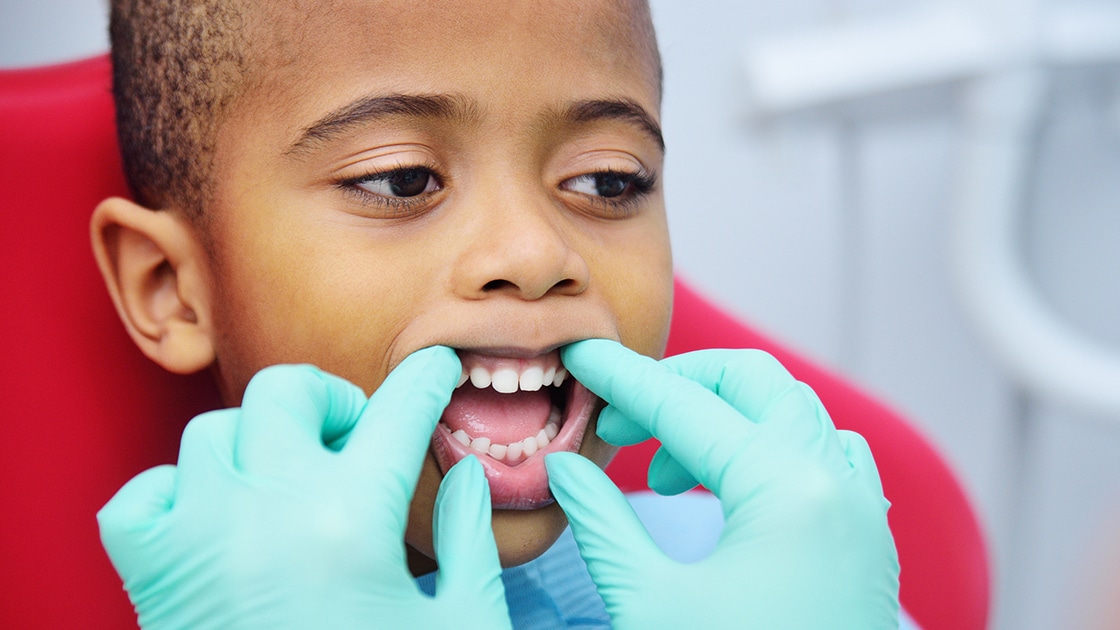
x=477, y=174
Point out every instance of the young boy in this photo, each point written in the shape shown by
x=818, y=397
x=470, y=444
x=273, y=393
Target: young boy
x=343, y=184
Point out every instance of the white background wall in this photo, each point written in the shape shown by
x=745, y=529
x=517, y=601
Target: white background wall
x=829, y=228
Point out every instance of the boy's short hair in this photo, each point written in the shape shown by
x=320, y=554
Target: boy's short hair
x=177, y=66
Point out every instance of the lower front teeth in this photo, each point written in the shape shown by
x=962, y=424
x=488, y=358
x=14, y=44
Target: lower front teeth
x=512, y=453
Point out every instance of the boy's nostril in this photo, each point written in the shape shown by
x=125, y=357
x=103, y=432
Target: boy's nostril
x=495, y=285
x=565, y=285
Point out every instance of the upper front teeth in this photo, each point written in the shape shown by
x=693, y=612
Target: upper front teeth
x=504, y=381
x=507, y=381
x=530, y=380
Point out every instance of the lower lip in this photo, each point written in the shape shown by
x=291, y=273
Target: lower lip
x=525, y=485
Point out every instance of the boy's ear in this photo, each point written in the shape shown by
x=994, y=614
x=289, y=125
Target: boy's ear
x=156, y=271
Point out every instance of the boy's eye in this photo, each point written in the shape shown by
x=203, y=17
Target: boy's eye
x=611, y=193
x=400, y=183
x=607, y=184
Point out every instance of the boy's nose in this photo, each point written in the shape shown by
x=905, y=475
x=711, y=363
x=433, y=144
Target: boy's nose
x=521, y=250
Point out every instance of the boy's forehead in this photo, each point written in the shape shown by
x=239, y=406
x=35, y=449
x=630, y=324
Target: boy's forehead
x=612, y=19
x=408, y=42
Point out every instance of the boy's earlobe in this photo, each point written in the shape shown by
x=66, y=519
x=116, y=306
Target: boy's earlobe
x=156, y=271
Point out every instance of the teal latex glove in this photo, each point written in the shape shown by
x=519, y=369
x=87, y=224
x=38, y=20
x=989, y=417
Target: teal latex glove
x=263, y=526
x=805, y=542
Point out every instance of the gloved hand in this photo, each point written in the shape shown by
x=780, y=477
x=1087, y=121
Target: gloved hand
x=261, y=525
x=805, y=542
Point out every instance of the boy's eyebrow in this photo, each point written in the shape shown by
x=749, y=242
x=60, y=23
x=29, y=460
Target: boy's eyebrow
x=371, y=108
x=624, y=110
x=451, y=107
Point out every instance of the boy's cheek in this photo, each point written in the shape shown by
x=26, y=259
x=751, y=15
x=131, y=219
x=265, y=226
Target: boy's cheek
x=594, y=447
x=646, y=329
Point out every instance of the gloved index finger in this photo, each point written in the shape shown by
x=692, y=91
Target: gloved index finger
x=396, y=426
x=699, y=429
x=750, y=380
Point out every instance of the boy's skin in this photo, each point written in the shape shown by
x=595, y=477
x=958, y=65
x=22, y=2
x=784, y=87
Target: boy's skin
x=511, y=250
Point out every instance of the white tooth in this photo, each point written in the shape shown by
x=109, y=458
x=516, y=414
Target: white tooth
x=532, y=379
x=504, y=380
x=561, y=374
x=462, y=437
x=480, y=377
x=529, y=446
x=549, y=375
x=498, y=451
x=554, y=415
x=542, y=438
x=551, y=430
x=513, y=453
x=482, y=444
x=462, y=379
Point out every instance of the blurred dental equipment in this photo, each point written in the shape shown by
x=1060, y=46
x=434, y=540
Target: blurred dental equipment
x=1000, y=51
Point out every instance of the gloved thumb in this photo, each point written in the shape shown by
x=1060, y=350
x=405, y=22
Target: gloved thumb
x=469, y=571
x=130, y=516
x=667, y=476
x=613, y=542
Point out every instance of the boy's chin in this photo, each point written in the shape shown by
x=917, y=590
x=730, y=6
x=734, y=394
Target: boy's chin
x=521, y=536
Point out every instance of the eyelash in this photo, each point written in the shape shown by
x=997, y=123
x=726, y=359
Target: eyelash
x=638, y=186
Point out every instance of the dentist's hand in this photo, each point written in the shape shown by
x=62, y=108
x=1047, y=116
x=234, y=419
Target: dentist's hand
x=806, y=542
x=261, y=525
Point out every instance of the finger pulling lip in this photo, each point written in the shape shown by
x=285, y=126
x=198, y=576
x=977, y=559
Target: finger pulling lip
x=515, y=470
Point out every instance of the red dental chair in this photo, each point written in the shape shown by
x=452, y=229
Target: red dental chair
x=83, y=411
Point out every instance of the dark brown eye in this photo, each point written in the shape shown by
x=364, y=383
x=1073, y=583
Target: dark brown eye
x=401, y=183
x=607, y=184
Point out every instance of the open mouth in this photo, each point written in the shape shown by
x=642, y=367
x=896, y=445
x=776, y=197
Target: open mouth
x=510, y=413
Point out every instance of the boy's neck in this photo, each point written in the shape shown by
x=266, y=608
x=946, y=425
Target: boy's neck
x=418, y=563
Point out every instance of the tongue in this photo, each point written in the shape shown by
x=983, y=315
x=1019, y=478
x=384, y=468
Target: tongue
x=504, y=418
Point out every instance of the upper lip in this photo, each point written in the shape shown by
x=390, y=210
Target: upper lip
x=512, y=352
x=512, y=339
